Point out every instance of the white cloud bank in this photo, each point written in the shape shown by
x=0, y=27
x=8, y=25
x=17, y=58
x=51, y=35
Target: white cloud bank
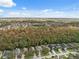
x=49, y=13
x=7, y=3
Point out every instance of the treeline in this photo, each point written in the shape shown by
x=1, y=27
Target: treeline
x=33, y=36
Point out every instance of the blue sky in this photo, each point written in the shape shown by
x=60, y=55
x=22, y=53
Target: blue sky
x=47, y=4
x=39, y=8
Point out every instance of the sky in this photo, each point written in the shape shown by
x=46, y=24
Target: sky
x=40, y=8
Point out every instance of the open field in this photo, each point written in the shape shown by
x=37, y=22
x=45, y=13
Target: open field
x=33, y=33
x=25, y=32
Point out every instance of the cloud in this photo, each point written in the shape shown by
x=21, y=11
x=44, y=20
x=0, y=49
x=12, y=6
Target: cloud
x=1, y=11
x=14, y=13
x=49, y=13
x=24, y=8
x=7, y=3
x=46, y=10
x=18, y=14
